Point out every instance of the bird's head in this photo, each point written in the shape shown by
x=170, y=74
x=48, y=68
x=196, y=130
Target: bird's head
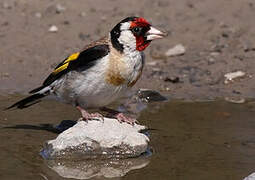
x=134, y=33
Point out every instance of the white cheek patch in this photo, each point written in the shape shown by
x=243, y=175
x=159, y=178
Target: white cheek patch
x=128, y=40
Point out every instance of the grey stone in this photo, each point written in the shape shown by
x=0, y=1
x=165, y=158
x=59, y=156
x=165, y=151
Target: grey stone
x=97, y=139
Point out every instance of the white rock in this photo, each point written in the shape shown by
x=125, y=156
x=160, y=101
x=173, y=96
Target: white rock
x=177, y=50
x=53, y=28
x=97, y=138
x=250, y=177
x=229, y=77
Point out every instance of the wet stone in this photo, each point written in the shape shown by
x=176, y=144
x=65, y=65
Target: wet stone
x=150, y=95
x=235, y=100
x=97, y=139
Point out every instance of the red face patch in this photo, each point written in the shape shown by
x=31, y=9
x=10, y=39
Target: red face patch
x=141, y=42
x=141, y=22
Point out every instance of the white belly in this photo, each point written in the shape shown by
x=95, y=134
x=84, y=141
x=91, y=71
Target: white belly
x=88, y=89
x=98, y=93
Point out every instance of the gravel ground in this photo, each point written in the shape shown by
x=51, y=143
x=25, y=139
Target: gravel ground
x=217, y=36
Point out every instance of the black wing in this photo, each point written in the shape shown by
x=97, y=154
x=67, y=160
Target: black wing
x=83, y=60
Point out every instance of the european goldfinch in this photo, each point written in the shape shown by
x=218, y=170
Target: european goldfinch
x=102, y=72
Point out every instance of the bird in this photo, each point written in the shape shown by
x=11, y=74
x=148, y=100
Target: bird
x=102, y=72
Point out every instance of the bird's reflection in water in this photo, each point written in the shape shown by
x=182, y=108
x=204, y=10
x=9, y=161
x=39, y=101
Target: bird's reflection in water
x=109, y=168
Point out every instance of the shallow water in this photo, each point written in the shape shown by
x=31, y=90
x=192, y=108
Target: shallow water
x=189, y=140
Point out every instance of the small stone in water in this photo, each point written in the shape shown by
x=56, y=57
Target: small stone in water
x=150, y=95
x=236, y=100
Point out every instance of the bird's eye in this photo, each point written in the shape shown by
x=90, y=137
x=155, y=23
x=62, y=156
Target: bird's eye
x=137, y=30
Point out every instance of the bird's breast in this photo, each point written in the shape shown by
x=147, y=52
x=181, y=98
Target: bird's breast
x=124, y=69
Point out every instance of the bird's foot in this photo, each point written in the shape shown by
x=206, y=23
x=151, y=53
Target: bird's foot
x=122, y=118
x=85, y=116
x=119, y=116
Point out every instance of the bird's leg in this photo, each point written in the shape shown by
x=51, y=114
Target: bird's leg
x=89, y=116
x=119, y=116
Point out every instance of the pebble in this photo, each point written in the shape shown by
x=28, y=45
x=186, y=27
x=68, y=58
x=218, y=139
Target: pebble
x=6, y=23
x=5, y=75
x=211, y=61
x=214, y=54
x=83, y=14
x=235, y=100
x=6, y=5
x=177, y=50
x=152, y=63
x=229, y=77
x=172, y=79
x=60, y=8
x=38, y=15
x=53, y=28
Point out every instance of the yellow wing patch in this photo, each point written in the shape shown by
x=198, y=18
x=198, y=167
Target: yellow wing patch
x=66, y=63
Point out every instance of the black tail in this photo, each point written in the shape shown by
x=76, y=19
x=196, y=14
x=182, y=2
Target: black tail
x=36, y=90
x=28, y=101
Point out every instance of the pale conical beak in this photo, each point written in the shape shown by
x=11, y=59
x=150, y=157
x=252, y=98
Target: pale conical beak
x=154, y=33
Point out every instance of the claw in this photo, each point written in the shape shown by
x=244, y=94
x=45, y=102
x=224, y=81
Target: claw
x=89, y=116
x=122, y=118
x=119, y=116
